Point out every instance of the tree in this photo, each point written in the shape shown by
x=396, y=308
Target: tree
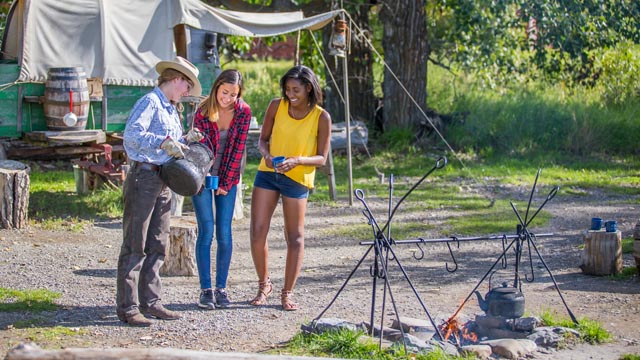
x=569, y=31
x=406, y=52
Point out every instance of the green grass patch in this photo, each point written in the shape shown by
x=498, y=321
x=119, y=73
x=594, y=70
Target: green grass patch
x=55, y=205
x=364, y=232
x=499, y=219
x=43, y=335
x=590, y=331
x=28, y=300
x=627, y=273
x=630, y=357
x=627, y=245
x=346, y=344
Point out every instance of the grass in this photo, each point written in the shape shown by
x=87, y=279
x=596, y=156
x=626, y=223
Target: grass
x=630, y=357
x=347, y=344
x=590, y=331
x=55, y=205
x=28, y=300
x=627, y=245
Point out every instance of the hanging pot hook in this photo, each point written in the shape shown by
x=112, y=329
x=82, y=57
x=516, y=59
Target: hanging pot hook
x=526, y=276
x=446, y=265
x=421, y=251
x=504, y=252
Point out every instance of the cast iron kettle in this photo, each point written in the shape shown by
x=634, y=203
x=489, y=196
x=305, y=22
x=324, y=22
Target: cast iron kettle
x=505, y=301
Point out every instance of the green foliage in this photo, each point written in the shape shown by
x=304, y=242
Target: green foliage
x=261, y=83
x=619, y=73
x=590, y=331
x=519, y=122
x=569, y=30
x=28, y=300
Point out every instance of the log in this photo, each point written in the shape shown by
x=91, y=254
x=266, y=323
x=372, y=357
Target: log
x=181, y=253
x=14, y=198
x=31, y=351
x=602, y=253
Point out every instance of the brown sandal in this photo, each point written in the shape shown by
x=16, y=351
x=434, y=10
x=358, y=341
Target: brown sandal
x=264, y=290
x=287, y=302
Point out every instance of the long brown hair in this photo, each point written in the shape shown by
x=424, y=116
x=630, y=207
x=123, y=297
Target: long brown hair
x=209, y=106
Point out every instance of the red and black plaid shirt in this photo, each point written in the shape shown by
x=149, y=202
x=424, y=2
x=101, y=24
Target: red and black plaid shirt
x=229, y=172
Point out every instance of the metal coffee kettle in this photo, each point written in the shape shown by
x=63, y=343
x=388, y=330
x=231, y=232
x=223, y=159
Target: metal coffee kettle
x=505, y=301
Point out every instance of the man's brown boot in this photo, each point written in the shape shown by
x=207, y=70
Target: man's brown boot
x=161, y=312
x=137, y=320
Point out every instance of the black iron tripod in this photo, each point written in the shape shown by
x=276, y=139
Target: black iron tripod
x=383, y=253
x=523, y=237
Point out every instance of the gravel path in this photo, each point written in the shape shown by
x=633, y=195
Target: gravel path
x=82, y=266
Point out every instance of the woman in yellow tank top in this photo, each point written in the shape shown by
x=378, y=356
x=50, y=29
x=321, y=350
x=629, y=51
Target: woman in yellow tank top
x=297, y=128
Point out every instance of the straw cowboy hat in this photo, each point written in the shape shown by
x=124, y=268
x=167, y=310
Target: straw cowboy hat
x=185, y=67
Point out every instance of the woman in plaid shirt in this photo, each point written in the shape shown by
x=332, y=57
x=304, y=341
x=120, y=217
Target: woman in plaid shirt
x=224, y=119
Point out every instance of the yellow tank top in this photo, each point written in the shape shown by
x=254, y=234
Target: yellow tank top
x=291, y=137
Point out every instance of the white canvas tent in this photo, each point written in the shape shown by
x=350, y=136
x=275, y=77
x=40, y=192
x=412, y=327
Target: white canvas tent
x=118, y=41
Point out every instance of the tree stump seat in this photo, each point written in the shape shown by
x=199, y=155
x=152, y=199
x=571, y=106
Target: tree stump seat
x=14, y=197
x=181, y=250
x=602, y=253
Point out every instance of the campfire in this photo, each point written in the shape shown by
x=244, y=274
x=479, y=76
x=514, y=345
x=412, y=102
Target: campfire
x=457, y=333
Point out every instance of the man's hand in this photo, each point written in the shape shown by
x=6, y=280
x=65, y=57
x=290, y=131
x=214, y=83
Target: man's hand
x=194, y=135
x=173, y=148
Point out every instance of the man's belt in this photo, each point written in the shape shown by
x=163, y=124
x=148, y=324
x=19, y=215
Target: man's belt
x=145, y=166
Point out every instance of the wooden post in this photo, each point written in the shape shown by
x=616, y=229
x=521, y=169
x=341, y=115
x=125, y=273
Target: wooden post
x=327, y=169
x=181, y=253
x=602, y=253
x=14, y=198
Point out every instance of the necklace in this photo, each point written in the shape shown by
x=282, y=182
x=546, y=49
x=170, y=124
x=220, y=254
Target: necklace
x=295, y=116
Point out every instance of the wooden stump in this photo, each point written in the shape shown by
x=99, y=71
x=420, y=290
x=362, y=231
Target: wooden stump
x=14, y=199
x=602, y=253
x=181, y=252
x=238, y=209
x=177, y=202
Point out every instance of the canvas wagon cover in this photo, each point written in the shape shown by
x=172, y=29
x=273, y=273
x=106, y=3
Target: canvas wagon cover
x=121, y=40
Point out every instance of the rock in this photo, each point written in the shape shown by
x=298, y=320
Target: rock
x=511, y=348
x=479, y=351
x=328, y=324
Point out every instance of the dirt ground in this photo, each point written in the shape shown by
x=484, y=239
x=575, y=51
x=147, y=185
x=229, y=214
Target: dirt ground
x=82, y=267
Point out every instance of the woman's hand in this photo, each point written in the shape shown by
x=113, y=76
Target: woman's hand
x=221, y=191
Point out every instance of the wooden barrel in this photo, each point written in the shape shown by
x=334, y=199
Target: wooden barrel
x=636, y=244
x=62, y=85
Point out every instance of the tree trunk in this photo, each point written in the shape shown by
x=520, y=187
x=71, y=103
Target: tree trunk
x=360, y=71
x=405, y=51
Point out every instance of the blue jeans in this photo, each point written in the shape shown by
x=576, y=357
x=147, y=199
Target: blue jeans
x=202, y=205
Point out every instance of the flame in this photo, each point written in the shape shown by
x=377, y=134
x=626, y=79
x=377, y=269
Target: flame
x=460, y=332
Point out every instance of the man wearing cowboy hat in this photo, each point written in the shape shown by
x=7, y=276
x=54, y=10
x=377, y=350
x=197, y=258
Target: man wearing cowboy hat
x=153, y=135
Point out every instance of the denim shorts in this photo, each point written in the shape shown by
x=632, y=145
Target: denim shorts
x=281, y=183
